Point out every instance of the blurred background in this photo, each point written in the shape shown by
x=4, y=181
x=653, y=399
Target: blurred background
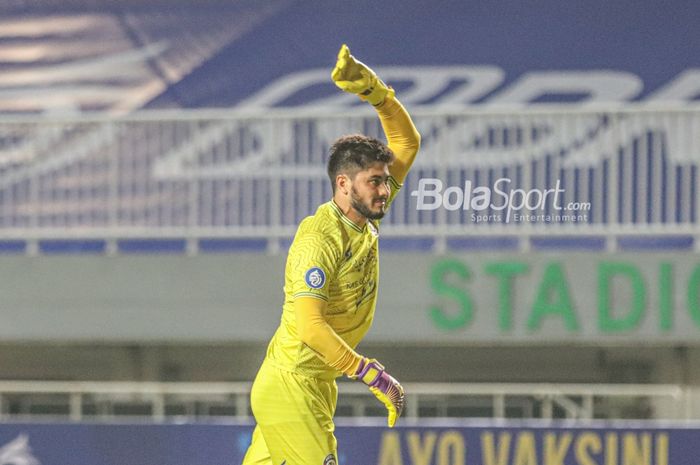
x=541, y=261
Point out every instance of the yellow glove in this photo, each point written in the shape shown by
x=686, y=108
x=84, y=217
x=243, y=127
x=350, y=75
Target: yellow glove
x=357, y=78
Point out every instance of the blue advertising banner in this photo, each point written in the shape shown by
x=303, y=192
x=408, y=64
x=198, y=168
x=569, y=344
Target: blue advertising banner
x=456, y=443
x=277, y=53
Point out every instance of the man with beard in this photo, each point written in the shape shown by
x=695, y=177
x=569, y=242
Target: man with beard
x=331, y=289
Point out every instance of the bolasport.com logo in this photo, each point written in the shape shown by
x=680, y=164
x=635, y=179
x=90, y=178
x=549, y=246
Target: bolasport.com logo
x=501, y=202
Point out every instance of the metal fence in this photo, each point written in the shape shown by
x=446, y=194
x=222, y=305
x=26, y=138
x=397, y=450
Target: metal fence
x=79, y=401
x=197, y=174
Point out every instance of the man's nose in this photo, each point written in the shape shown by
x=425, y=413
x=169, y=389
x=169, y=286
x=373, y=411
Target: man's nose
x=384, y=190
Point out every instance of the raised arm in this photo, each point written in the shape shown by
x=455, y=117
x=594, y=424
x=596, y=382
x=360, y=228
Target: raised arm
x=403, y=138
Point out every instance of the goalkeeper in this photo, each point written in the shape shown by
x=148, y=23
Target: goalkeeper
x=331, y=289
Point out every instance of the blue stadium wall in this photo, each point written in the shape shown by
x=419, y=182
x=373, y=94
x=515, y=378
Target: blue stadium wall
x=218, y=54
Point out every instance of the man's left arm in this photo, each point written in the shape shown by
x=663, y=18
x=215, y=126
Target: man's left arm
x=351, y=75
x=402, y=136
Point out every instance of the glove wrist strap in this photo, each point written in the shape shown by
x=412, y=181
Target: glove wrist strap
x=369, y=372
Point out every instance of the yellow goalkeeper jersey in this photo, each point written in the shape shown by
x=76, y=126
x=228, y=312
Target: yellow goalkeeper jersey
x=333, y=259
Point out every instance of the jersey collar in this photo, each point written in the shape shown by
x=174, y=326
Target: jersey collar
x=344, y=218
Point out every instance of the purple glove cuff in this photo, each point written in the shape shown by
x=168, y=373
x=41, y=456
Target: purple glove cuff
x=380, y=381
x=373, y=375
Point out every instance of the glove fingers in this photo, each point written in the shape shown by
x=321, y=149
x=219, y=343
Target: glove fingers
x=355, y=77
x=347, y=70
x=339, y=72
x=354, y=87
x=336, y=73
x=391, y=419
x=392, y=412
x=344, y=65
x=351, y=75
x=354, y=81
x=344, y=52
x=340, y=69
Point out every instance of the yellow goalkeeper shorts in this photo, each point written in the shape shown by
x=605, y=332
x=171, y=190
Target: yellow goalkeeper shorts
x=294, y=416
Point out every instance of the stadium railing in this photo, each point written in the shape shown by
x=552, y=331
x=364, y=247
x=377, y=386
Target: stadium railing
x=153, y=401
x=626, y=177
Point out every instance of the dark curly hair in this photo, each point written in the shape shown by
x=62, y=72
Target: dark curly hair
x=356, y=152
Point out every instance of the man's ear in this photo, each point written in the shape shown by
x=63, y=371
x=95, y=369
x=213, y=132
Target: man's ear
x=342, y=183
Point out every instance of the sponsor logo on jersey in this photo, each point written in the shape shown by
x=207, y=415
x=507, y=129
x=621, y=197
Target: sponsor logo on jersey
x=330, y=460
x=315, y=278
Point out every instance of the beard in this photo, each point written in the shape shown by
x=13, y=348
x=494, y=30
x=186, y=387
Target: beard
x=364, y=209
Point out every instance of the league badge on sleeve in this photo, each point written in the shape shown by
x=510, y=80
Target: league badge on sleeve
x=315, y=278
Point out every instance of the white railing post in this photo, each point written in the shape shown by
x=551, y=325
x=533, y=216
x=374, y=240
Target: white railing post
x=242, y=406
x=587, y=407
x=158, y=406
x=76, y=406
x=499, y=405
x=547, y=409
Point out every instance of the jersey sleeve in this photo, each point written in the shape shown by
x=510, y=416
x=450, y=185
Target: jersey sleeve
x=313, y=262
x=395, y=186
x=315, y=332
x=402, y=136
